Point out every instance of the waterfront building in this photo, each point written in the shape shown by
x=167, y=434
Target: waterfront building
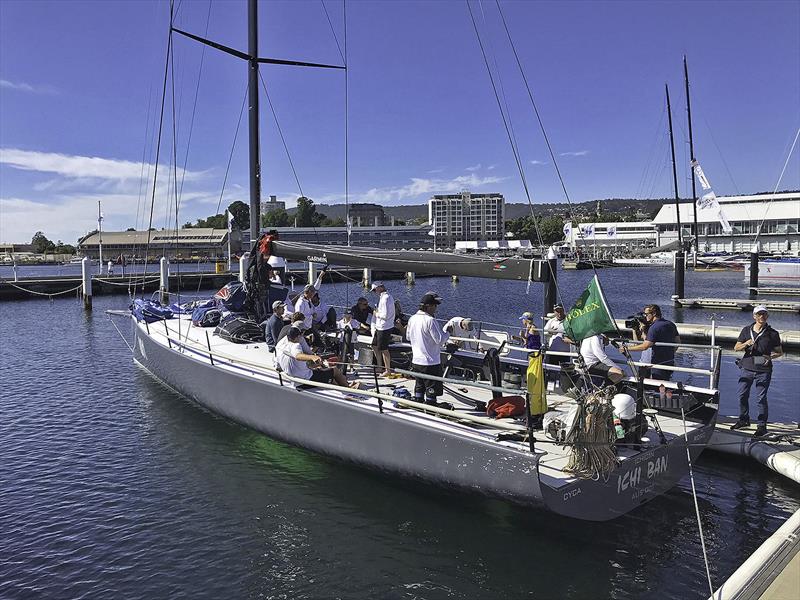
x=273, y=204
x=777, y=215
x=191, y=244
x=466, y=217
x=384, y=236
x=366, y=214
x=615, y=236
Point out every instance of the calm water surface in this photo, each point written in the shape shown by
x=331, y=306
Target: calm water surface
x=114, y=486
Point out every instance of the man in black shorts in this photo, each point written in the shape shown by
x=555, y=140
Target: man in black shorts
x=382, y=324
x=426, y=337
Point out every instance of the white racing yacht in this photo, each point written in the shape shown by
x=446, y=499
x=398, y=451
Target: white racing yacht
x=454, y=444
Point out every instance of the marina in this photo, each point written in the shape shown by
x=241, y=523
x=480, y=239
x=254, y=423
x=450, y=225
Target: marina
x=291, y=399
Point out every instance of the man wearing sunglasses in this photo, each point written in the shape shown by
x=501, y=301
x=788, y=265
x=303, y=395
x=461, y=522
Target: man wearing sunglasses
x=659, y=330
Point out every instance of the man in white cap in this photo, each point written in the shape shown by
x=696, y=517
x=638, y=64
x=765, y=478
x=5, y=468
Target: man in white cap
x=761, y=345
x=461, y=328
x=426, y=339
x=304, y=303
x=382, y=324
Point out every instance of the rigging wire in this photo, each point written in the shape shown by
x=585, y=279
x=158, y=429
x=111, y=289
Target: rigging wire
x=158, y=146
x=777, y=185
x=280, y=133
x=175, y=185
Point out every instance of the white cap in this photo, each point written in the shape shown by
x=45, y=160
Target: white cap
x=759, y=308
x=376, y=285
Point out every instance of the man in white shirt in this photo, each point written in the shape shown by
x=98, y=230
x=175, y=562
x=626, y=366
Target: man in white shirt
x=461, y=328
x=596, y=359
x=304, y=304
x=554, y=329
x=293, y=360
x=382, y=324
x=426, y=339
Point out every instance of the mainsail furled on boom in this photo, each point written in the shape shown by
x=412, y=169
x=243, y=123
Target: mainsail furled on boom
x=433, y=263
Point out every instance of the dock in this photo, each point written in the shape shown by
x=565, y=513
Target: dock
x=744, y=304
x=26, y=288
x=772, y=572
x=777, y=291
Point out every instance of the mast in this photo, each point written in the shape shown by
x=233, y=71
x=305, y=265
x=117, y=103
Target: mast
x=252, y=84
x=100, y=236
x=679, y=256
x=695, y=229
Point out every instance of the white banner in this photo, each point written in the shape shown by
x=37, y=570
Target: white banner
x=587, y=231
x=230, y=221
x=701, y=177
x=611, y=232
x=567, y=230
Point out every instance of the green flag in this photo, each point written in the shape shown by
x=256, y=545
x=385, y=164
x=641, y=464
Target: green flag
x=590, y=315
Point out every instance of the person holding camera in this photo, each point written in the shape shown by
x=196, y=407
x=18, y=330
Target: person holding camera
x=761, y=345
x=657, y=329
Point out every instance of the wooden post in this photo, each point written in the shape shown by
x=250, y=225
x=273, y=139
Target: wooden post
x=410, y=278
x=164, y=280
x=86, y=277
x=366, y=280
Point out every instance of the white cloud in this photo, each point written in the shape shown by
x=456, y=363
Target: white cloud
x=473, y=168
x=74, y=167
x=423, y=186
x=21, y=86
x=538, y=162
x=491, y=167
x=578, y=153
x=434, y=171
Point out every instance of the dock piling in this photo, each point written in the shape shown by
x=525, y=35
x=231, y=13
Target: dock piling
x=410, y=278
x=366, y=279
x=163, y=287
x=753, y=291
x=680, y=275
x=86, y=279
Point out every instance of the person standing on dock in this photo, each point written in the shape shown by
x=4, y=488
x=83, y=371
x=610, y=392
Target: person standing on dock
x=110, y=268
x=761, y=345
x=659, y=331
x=382, y=324
x=426, y=339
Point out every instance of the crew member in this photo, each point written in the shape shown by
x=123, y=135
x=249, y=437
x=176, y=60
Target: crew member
x=294, y=361
x=382, y=324
x=761, y=345
x=362, y=312
x=528, y=334
x=426, y=339
x=347, y=324
x=461, y=328
x=597, y=361
x=304, y=303
x=659, y=330
x=274, y=324
x=554, y=328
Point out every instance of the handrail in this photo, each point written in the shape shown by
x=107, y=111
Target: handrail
x=426, y=407
x=474, y=384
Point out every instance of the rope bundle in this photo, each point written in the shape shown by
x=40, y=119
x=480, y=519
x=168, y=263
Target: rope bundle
x=592, y=437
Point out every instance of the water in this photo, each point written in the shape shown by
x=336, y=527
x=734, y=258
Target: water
x=114, y=486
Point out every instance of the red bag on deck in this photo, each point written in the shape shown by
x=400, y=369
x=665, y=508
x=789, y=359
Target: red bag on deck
x=506, y=406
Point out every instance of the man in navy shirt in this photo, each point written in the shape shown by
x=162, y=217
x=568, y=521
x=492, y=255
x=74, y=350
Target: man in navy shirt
x=274, y=324
x=659, y=330
x=761, y=345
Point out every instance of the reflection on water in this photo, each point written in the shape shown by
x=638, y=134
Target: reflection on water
x=114, y=486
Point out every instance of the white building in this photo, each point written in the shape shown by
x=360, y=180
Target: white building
x=778, y=216
x=613, y=236
x=467, y=217
x=273, y=204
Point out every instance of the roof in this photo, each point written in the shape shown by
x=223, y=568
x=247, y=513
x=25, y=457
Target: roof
x=737, y=208
x=492, y=244
x=199, y=235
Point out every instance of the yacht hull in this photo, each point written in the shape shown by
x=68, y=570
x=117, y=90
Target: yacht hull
x=345, y=430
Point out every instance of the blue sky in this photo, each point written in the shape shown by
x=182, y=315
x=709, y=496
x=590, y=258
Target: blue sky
x=80, y=84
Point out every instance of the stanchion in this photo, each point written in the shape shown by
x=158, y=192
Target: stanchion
x=754, y=270
x=164, y=280
x=86, y=277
